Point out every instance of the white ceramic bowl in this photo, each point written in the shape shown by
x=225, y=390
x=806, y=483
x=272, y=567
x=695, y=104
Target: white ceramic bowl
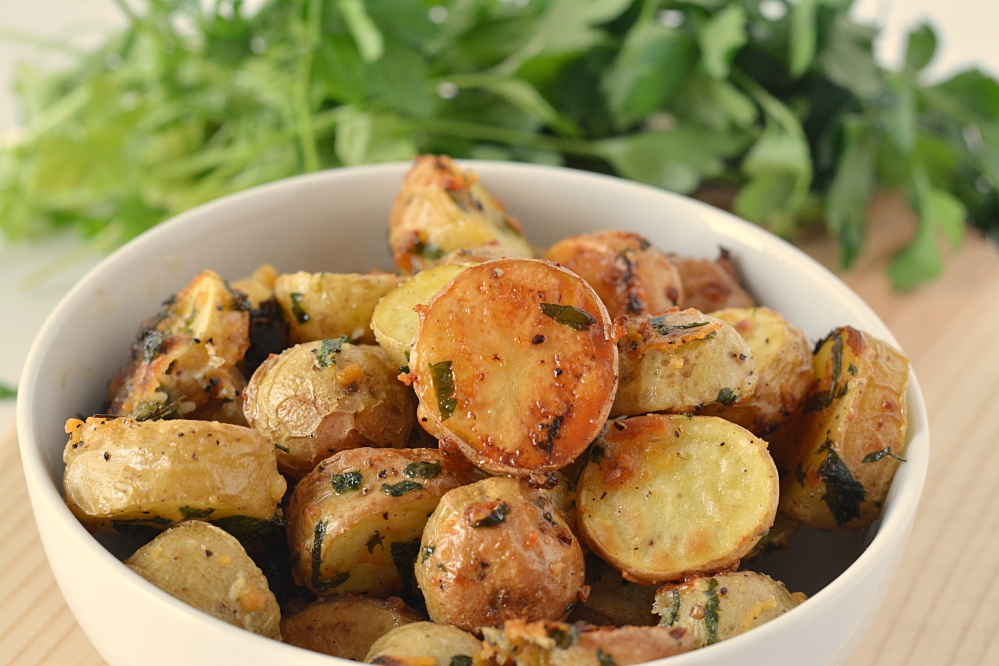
x=337, y=221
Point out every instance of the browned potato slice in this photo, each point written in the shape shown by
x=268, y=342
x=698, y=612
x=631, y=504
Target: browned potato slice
x=325, y=396
x=183, y=363
x=496, y=550
x=613, y=601
x=424, y=643
x=514, y=363
x=561, y=644
x=478, y=254
x=678, y=361
x=783, y=370
x=346, y=627
x=665, y=497
x=719, y=607
x=844, y=451
x=711, y=285
x=629, y=275
x=354, y=523
x=207, y=568
x=776, y=538
x=327, y=305
x=125, y=475
x=441, y=208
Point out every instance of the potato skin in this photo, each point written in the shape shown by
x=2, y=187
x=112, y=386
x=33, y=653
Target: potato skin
x=716, y=608
x=844, y=450
x=122, y=474
x=441, y=208
x=439, y=643
x=680, y=360
x=783, y=370
x=711, y=285
x=362, y=537
x=207, y=568
x=495, y=550
x=630, y=276
x=664, y=497
x=345, y=627
x=325, y=396
x=528, y=392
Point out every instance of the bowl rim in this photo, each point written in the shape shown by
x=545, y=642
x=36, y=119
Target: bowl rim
x=894, y=524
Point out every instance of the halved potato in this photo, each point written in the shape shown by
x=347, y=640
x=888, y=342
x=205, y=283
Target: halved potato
x=478, y=254
x=498, y=549
x=614, y=601
x=629, y=275
x=207, y=568
x=514, y=363
x=719, y=607
x=783, y=370
x=424, y=643
x=129, y=476
x=321, y=397
x=327, y=305
x=842, y=453
x=711, y=285
x=354, y=523
x=259, y=287
x=680, y=360
x=441, y=208
x=664, y=497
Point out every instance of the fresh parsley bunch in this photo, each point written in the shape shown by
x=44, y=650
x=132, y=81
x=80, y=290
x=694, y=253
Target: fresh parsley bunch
x=780, y=104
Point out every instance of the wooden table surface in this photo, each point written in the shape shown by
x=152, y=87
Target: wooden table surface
x=943, y=605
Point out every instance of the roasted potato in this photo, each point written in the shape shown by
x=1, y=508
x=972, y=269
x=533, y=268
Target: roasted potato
x=478, y=254
x=613, y=601
x=680, y=360
x=711, y=285
x=783, y=370
x=207, y=568
x=521, y=643
x=842, y=453
x=184, y=361
x=128, y=476
x=259, y=287
x=327, y=305
x=321, y=397
x=777, y=537
x=719, y=607
x=664, y=497
x=441, y=208
x=269, y=330
x=354, y=523
x=346, y=627
x=495, y=550
x=395, y=321
x=629, y=275
x=424, y=644
x=514, y=364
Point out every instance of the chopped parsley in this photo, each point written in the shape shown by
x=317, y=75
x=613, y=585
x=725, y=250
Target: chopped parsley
x=403, y=556
x=727, y=396
x=243, y=527
x=318, y=584
x=674, y=611
x=423, y=470
x=568, y=315
x=190, y=513
x=660, y=326
x=460, y=660
x=564, y=638
x=883, y=453
x=495, y=517
x=428, y=251
x=427, y=552
x=553, y=429
x=301, y=316
x=604, y=658
x=843, y=493
x=326, y=356
x=711, y=611
x=442, y=378
x=346, y=482
x=401, y=488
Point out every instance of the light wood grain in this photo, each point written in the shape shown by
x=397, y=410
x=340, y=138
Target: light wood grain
x=943, y=605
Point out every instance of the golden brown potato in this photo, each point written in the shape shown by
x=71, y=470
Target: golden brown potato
x=719, y=607
x=496, y=550
x=325, y=396
x=127, y=476
x=783, y=370
x=354, y=523
x=514, y=364
x=478, y=254
x=842, y=453
x=520, y=643
x=346, y=627
x=680, y=360
x=777, y=537
x=441, y=208
x=259, y=287
x=613, y=601
x=184, y=361
x=424, y=643
x=711, y=285
x=629, y=275
x=327, y=305
x=207, y=568
x=664, y=497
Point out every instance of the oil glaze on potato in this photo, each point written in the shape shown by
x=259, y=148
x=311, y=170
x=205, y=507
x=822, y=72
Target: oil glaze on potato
x=514, y=363
x=496, y=550
x=354, y=523
x=711, y=285
x=678, y=361
x=207, y=568
x=629, y=275
x=322, y=397
x=125, y=475
x=664, y=497
x=426, y=643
